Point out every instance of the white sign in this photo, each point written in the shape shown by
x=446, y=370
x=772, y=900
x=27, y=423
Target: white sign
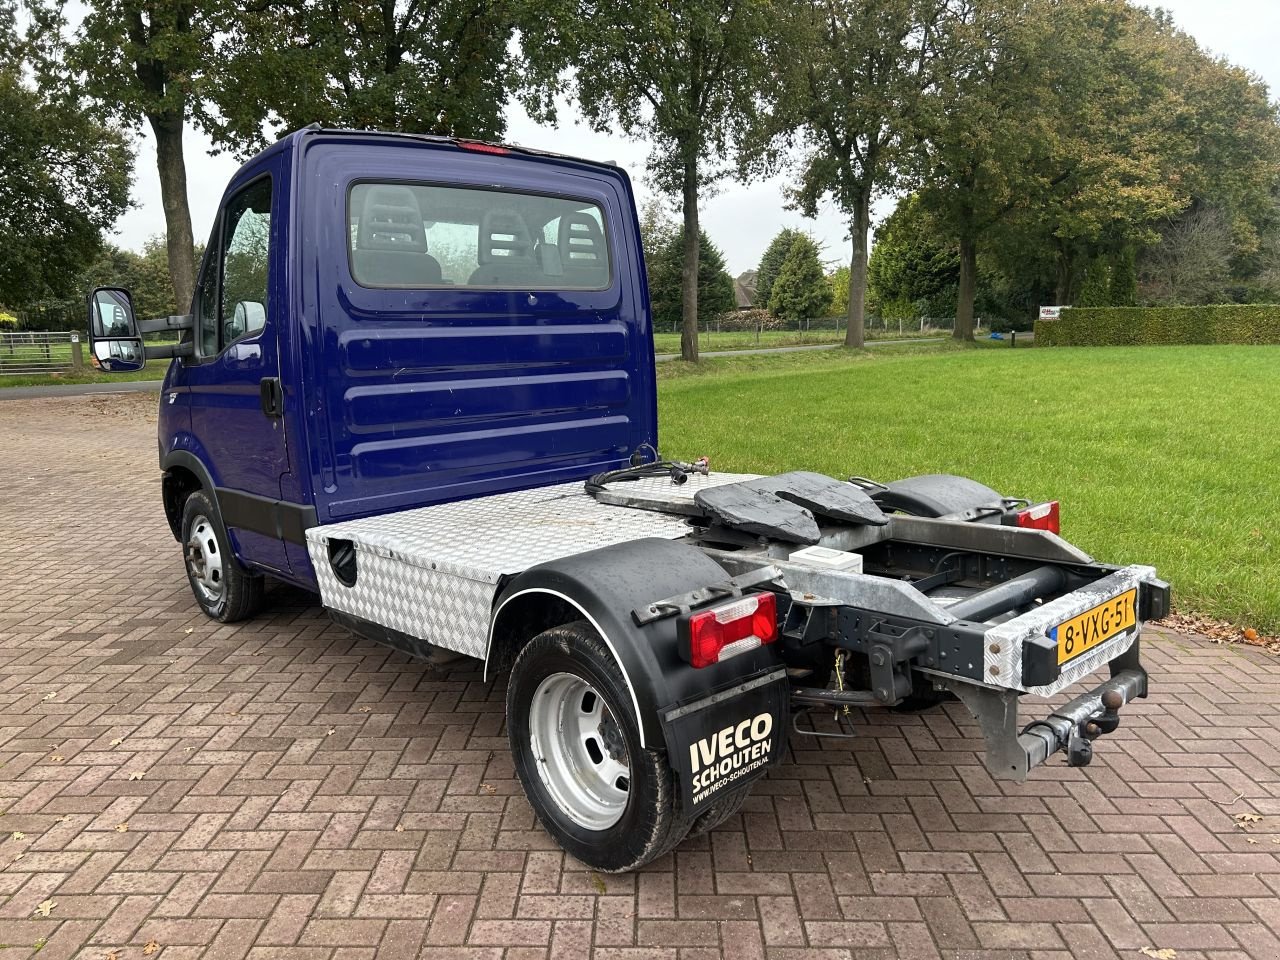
x=1050, y=313
x=75, y=338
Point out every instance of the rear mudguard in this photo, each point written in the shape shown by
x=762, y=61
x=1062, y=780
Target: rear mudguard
x=730, y=716
x=934, y=495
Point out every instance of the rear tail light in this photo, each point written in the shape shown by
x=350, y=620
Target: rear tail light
x=710, y=636
x=479, y=146
x=1043, y=516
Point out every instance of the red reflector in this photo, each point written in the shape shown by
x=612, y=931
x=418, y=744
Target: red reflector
x=1043, y=516
x=477, y=146
x=710, y=636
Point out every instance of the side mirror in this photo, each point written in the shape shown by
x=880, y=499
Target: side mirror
x=113, y=331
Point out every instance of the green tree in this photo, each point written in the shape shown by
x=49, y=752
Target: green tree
x=855, y=75
x=771, y=262
x=838, y=282
x=1049, y=125
x=141, y=61
x=800, y=291
x=914, y=262
x=666, y=282
x=64, y=180
x=683, y=74
x=444, y=67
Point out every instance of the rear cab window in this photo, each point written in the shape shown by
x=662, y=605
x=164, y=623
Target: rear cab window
x=422, y=235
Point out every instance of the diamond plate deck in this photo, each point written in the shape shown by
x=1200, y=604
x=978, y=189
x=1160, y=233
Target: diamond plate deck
x=433, y=572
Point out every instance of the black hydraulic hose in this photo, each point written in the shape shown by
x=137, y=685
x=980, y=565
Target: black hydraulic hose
x=1040, y=582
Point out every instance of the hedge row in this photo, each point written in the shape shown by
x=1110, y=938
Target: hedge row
x=1145, y=326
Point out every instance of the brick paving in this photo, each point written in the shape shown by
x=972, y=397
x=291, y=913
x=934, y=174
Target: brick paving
x=281, y=790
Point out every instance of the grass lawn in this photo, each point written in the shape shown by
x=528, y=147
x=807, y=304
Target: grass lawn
x=746, y=339
x=1160, y=455
x=154, y=370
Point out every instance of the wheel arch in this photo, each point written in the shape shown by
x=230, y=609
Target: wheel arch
x=183, y=475
x=603, y=587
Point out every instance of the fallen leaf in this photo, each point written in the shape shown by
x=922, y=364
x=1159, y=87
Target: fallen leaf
x=111, y=955
x=18, y=835
x=399, y=828
x=366, y=709
x=331, y=732
x=150, y=948
x=49, y=696
x=597, y=881
x=191, y=629
x=489, y=788
x=45, y=908
x=57, y=758
x=135, y=776
x=1168, y=953
x=1251, y=840
x=1247, y=818
x=117, y=741
x=122, y=828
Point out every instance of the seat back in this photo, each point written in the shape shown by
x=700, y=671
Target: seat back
x=583, y=251
x=505, y=251
x=391, y=241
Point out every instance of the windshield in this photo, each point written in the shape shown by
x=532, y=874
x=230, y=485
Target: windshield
x=420, y=235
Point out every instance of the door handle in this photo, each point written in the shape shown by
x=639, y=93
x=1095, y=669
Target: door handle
x=271, y=395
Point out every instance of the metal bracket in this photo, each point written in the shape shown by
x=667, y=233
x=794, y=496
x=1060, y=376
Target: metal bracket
x=684, y=602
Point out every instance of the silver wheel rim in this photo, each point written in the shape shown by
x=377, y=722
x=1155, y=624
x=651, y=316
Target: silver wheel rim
x=579, y=751
x=204, y=560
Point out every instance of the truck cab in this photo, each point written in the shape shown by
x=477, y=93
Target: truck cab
x=417, y=378
x=384, y=322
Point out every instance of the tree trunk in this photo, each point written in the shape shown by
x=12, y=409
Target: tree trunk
x=689, y=272
x=1062, y=282
x=968, y=289
x=172, y=167
x=859, y=225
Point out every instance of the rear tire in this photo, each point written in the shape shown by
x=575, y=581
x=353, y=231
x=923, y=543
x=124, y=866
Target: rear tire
x=225, y=591
x=576, y=746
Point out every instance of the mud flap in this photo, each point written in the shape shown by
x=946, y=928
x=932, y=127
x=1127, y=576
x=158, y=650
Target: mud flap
x=727, y=739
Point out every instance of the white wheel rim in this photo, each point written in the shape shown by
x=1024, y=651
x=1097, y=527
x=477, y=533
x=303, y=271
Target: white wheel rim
x=579, y=751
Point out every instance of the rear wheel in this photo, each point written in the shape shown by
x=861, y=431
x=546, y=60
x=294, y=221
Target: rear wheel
x=225, y=591
x=576, y=746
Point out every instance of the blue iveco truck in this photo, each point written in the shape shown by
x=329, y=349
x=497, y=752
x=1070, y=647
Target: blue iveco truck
x=417, y=379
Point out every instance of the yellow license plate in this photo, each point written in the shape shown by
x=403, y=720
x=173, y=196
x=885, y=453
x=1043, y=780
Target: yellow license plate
x=1082, y=633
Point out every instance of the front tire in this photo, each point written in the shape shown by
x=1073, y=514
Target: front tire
x=576, y=746
x=225, y=591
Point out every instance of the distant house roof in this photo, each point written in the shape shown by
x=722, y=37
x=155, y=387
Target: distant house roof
x=744, y=290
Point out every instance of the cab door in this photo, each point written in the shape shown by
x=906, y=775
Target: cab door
x=237, y=408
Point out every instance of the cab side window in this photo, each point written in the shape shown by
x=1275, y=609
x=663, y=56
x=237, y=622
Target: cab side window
x=207, y=305
x=247, y=238
x=231, y=299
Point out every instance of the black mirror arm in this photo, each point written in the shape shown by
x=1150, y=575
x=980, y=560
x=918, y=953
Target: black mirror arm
x=167, y=351
x=166, y=324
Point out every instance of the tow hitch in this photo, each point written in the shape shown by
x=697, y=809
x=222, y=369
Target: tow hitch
x=1076, y=725
x=1072, y=728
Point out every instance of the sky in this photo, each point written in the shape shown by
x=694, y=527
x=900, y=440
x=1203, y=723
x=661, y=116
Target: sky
x=740, y=218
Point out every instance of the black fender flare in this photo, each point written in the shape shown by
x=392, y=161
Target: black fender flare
x=190, y=462
x=602, y=587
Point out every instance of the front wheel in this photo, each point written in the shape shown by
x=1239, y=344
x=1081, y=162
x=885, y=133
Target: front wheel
x=225, y=591
x=576, y=746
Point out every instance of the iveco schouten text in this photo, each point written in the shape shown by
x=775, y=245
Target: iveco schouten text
x=418, y=379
